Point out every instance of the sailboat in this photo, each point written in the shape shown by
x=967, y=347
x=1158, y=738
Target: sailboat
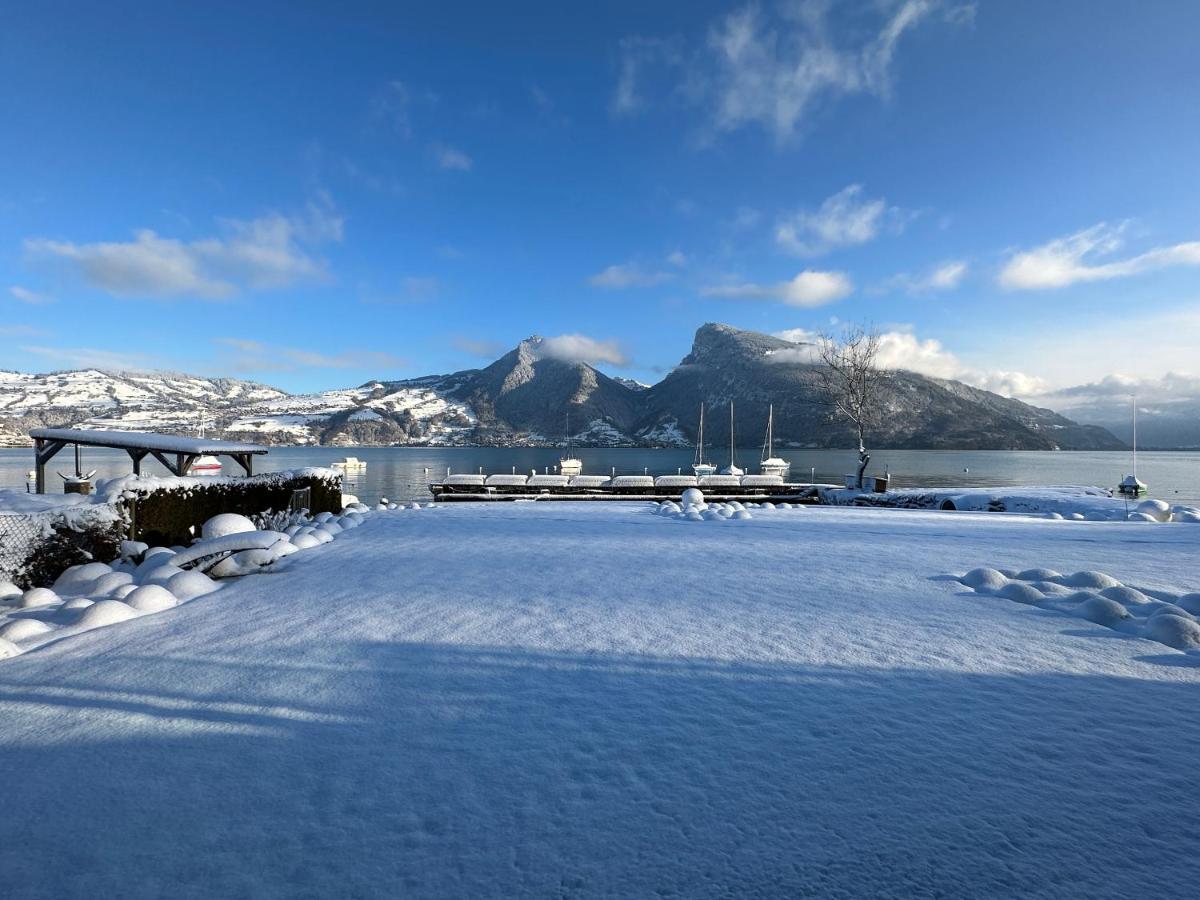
x=1130, y=486
x=569, y=464
x=699, y=466
x=772, y=464
x=732, y=468
x=205, y=464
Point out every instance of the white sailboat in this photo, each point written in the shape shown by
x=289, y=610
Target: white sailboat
x=1130, y=486
x=205, y=464
x=699, y=466
x=570, y=464
x=732, y=468
x=772, y=464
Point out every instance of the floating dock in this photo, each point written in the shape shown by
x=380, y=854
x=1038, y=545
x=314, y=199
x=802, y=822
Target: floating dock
x=484, y=488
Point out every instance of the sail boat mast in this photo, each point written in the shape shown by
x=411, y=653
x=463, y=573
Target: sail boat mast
x=1133, y=403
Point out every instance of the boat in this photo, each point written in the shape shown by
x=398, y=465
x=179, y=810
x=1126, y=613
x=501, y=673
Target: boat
x=699, y=466
x=350, y=464
x=771, y=464
x=569, y=465
x=205, y=463
x=732, y=468
x=1130, y=487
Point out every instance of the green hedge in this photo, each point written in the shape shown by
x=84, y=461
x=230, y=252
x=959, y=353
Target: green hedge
x=165, y=516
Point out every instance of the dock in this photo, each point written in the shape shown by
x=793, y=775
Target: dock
x=491, y=488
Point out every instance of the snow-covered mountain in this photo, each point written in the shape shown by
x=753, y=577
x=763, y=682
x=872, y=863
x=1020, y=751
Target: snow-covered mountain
x=529, y=395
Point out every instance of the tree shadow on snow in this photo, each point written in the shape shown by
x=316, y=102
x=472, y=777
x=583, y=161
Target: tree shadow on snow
x=385, y=769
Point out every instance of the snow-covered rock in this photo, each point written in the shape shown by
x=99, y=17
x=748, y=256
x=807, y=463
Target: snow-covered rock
x=23, y=629
x=152, y=597
x=106, y=612
x=226, y=523
x=1174, y=631
x=35, y=597
x=1158, y=510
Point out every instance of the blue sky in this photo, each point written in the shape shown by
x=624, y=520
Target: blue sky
x=312, y=195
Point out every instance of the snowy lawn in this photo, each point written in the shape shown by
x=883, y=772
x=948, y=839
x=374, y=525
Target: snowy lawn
x=592, y=700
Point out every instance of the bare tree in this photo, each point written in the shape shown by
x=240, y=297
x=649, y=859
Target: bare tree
x=848, y=380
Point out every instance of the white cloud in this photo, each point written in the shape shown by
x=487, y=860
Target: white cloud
x=635, y=54
x=843, y=219
x=943, y=277
x=394, y=102
x=773, y=74
x=901, y=349
x=581, y=348
x=20, y=331
x=32, y=298
x=260, y=254
x=1078, y=258
x=254, y=356
x=451, y=158
x=628, y=275
x=809, y=288
x=677, y=258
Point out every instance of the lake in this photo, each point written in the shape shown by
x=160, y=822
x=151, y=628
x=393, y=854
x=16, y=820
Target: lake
x=403, y=473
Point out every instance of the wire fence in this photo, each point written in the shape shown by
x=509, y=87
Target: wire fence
x=37, y=541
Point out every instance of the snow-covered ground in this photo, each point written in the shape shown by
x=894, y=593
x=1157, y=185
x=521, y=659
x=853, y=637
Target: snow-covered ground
x=595, y=700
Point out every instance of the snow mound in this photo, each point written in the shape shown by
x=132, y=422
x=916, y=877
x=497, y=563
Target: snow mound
x=35, y=597
x=23, y=629
x=162, y=574
x=692, y=496
x=8, y=590
x=152, y=561
x=79, y=579
x=8, y=649
x=1157, y=510
x=321, y=535
x=152, y=597
x=122, y=592
x=1102, y=611
x=106, y=612
x=1088, y=579
x=742, y=514
x=106, y=584
x=77, y=603
x=1126, y=596
x=1052, y=588
x=305, y=541
x=1021, y=593
x=226, y=523
x=1039, y=575
x=1189, y=516
x=189, y=585
x=1141, y=517
x=1190, y=602
x=984, y=579
x=1174, y=631
x=1077, y=517
x=228, y=543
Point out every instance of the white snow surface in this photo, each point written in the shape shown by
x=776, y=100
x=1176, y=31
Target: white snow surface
x=809, y=704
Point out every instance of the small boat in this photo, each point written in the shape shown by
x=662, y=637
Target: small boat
x=205, y=464
x=569, y=464
x=699, y=466
x=1130, y=487
x=350, y=464
x=771, y=464
x=732, y=468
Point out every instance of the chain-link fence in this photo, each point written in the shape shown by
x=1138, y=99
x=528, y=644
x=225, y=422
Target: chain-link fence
x=36, y=546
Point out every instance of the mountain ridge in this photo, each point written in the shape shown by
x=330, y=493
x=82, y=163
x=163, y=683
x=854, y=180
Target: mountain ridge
x=528, y=395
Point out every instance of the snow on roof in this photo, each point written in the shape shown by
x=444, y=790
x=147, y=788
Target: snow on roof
x=138, y=440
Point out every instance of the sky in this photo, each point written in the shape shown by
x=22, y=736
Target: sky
x=315, y=195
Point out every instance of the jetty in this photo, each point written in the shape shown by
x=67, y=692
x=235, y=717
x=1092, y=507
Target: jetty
x=474, y=488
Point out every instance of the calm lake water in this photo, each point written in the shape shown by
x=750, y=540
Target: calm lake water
x=402, y=473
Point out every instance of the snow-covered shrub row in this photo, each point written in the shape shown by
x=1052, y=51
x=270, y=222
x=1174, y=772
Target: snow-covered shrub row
x=1167, y=618
x=38, y=544
x=146, y=580
x=694, y=508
